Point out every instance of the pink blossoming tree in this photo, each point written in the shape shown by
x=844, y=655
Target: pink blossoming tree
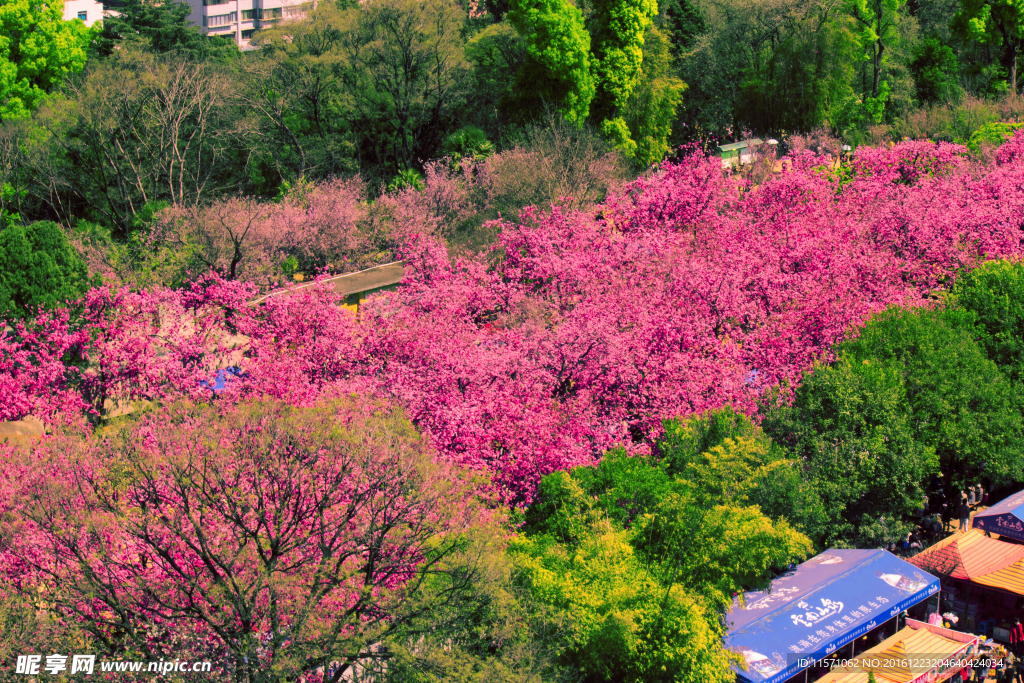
x=283, y=544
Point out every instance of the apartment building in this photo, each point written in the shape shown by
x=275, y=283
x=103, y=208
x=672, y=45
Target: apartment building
x=88, y=11
x=240, y=19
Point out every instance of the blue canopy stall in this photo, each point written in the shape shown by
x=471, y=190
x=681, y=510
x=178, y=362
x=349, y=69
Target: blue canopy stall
x=1005, y=518
x=823, y=604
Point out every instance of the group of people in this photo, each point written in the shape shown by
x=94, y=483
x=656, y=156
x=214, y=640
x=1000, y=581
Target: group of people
x=971, y=499
x=936, y=513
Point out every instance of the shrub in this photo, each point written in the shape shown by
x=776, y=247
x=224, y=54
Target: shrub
x=992, y=135
x=38, y=269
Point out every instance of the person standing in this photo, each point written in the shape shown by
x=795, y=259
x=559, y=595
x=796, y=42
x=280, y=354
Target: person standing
x=965, y=515
x=970, y=496
x=1017, y=638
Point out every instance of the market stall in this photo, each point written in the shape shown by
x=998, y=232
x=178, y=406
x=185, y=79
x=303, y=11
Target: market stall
x=825, y=604
x=1005, y=518
x=918, y=653
x=982, y=580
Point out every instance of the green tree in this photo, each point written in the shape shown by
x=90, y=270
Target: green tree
x=618, y=30
x=653, y=106
x=852, y=426
x=962, y=405
x=877, y=23
x=497, y=53
x=405, y=73
x=994, y=292
x=685, y=440
x=38, y=268
x=913, y=393
x=161, y=27
x=994, y=23
x=992, y=135
x=683, y=21
x=644, y=566
x=38, y=49
x=297, y=92
x=936, y=73
x=558, y=69
x=732, y=461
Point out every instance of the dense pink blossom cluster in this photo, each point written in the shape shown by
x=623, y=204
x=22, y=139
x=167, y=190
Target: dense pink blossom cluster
x=578, y=331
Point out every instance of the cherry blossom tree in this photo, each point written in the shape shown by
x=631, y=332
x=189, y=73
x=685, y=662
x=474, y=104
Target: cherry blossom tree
x=281, y=543
x=577, y=331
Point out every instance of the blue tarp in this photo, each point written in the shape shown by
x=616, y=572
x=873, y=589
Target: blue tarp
x=823, y=604
x=221, y=378
x=1005, y=518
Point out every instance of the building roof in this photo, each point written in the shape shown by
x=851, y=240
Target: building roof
x=352, y=283
x=902, y=657
x=740, y=145
x=976, y=557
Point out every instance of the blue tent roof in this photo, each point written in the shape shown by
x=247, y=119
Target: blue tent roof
x=823, y=604
x=1005, y=518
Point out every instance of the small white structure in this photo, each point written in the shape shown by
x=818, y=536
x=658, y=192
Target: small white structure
x=88, y=11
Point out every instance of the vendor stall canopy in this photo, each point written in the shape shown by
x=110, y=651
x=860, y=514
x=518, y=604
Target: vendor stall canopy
x=823, y=604
x=918, y=652
x=1005, y=518
x=974, y=557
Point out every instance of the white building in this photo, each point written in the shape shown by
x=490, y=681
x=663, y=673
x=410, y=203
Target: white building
x=88, y=11
x=221, y=17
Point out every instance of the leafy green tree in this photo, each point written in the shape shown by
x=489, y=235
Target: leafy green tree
x=653, y=106
x=992, y=135
x=297, y=92
x=731, y=460
x=685, y=440
x=161, y=27
x=644, y=566
x=623, y=624
x=618, y=29
x=497, y=53
x=852, y=426
x=558, y=70
x=912, y=394
x=994, y=292
x=997, y=23
x=877, y=23
x=405, y=73
x=38, y=49
x=770, y=66
x=962, y=405
x=38, y=268
x=683, y=21
x=936, y=73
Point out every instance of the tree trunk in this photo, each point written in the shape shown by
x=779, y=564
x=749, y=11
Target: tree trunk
x=1013, y=66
